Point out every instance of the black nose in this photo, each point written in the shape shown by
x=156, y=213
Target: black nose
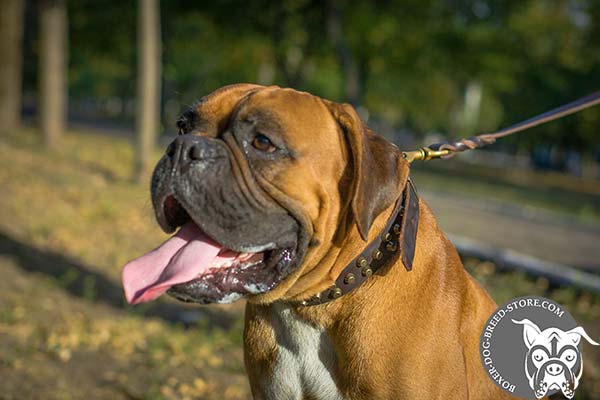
x=186, y=148
x=554, y=369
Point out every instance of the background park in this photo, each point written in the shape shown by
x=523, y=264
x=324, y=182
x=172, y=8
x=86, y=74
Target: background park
x=90, y=91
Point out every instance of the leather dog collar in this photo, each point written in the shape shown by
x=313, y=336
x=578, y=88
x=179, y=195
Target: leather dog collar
x=399, y=236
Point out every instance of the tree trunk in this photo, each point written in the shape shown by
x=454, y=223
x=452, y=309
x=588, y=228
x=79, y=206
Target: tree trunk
x=469, y=115
x=148, y=84
x=11, y=35
x=290, y=58
x=53, y=70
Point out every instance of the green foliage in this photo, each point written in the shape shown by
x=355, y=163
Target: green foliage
x=413, y=60
x=102, y=48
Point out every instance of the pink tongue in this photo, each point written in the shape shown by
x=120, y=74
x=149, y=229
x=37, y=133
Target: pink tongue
x=180, y=259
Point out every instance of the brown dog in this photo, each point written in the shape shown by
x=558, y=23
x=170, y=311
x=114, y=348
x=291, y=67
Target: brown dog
x=279, y=193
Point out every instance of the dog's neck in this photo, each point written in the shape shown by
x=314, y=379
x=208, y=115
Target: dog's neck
x=333, y=267
x=397, y=238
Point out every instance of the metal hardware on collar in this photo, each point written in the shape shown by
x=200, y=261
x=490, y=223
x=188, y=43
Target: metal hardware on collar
x=391, y=246
x=400, y=232
x=441, y=150
x=424, y=154
x=349, y=278
x=335, y=292
x=377, y=255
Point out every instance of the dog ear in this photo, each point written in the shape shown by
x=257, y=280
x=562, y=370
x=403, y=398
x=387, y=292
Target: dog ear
x=530, y=331
x=575, y=335
x=379, y=169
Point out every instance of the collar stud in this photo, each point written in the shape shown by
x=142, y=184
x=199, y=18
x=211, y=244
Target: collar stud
x=335, y=293
x=377, y=255
x=349, y=279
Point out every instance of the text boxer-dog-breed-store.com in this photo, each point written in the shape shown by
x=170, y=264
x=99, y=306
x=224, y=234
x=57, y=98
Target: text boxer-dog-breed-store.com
x=353, y=292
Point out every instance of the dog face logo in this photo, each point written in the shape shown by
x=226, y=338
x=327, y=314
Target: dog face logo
x=547, y=361
x=553, y=361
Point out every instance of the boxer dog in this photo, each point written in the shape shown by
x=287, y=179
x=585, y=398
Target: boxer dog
x=289, y=201
x=553, y=360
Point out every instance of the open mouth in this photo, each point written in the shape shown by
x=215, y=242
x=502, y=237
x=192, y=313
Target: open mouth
x=191, y=266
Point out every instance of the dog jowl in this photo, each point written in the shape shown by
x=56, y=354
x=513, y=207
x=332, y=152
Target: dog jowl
x=553, y=361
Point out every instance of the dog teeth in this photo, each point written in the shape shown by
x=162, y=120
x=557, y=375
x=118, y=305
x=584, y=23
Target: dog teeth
x=245, y=256
x=248, y=264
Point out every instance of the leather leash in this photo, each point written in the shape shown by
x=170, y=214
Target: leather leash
x=398, y=237
x=449, y=149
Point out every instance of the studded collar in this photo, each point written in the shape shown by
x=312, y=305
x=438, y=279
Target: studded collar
x=398, y=237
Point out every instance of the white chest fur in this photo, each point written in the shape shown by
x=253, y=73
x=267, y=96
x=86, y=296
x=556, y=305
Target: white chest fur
x=305, y=360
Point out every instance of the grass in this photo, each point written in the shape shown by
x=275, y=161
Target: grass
x=575, y=198
x=71, y=217
x=78, y=202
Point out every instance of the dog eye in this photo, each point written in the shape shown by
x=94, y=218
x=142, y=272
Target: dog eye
x=569, y=355
x=538, y=355
x=263, y=143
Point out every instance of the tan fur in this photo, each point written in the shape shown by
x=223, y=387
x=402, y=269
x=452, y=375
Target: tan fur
x=409, y=335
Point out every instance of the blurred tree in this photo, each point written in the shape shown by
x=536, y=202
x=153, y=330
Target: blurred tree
x=149, y=79
x=11, y=33
x=53, y=70
x=351, y=76
x=293, y=32
x=102, y=47
x=558, y=52
x=455, y=67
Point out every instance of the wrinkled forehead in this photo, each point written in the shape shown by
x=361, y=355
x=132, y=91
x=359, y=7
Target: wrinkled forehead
x=298, y=116
x=210, y=115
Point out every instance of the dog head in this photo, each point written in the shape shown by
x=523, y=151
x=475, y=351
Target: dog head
x=263, y=183
x=553, y=360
